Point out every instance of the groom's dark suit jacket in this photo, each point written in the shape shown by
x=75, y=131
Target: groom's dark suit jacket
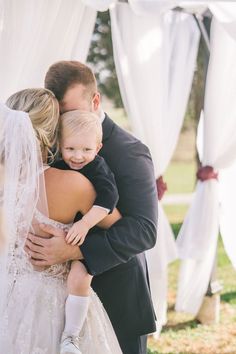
x=116, y=256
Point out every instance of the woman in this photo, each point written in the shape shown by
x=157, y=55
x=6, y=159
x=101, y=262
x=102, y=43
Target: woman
x=32, y=303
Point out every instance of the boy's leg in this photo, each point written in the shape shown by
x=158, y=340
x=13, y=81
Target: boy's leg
x=78, y=281
x=76, y=307
x=78, y=285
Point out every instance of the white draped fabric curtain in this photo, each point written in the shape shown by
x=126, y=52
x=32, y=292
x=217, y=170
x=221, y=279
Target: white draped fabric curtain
x=155, y=58
x=35, y=34
x=99, y=5
x=213, y=204
x=155, y=52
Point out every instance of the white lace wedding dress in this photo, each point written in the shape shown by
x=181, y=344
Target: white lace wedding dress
x=34, y=317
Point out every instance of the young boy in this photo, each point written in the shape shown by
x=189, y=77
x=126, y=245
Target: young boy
x=80, y=139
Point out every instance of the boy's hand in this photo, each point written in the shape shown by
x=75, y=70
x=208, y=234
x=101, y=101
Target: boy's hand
x=77, y=233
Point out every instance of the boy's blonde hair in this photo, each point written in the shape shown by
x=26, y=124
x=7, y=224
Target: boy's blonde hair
x=43, y=109
x=80, y=121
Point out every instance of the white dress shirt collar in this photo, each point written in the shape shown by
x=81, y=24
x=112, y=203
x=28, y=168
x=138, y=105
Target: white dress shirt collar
x=102, y=116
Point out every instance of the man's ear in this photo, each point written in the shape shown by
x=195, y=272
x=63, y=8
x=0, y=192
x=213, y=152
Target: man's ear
x=99, y=147
x=96, y=101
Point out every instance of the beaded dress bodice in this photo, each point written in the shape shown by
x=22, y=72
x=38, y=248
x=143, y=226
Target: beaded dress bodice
x=20, y=262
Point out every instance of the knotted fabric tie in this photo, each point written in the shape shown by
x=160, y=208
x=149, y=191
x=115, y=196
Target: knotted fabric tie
x=206, y=172
x=161, y=187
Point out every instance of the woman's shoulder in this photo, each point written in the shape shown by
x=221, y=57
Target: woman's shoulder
x=66, y=178
x=54, y=172
x=68, y=192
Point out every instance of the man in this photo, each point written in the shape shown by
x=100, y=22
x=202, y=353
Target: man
x=116, y=256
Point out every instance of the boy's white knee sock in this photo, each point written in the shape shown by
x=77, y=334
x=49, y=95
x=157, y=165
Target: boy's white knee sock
x=76, y=309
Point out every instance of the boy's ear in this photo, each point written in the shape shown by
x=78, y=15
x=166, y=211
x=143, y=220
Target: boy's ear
x=99, y=147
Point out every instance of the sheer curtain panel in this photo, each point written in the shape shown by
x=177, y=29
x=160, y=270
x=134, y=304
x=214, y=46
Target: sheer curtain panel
x=155, y=61
x=35, y=34
x=211, y=206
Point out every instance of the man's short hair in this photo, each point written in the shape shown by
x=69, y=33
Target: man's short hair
x=65, y=74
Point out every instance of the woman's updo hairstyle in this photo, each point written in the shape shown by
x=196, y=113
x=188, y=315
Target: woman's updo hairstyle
x=43, y=109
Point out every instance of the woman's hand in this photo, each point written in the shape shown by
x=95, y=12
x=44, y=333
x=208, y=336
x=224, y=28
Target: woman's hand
x=45, y=252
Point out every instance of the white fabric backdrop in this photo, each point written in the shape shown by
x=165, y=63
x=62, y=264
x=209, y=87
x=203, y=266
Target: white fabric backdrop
x=155, y=61
x=161, y=6
x=99, y=5
x=35, y=34
x=227, y=211
x=225, y=13
x=198, y=237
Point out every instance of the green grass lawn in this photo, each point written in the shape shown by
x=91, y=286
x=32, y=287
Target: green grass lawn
x=176, y=213
x=180, y=177
x=183, y=334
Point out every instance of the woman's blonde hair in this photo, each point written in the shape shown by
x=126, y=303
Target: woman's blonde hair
x=80, y=121
x=43, y=109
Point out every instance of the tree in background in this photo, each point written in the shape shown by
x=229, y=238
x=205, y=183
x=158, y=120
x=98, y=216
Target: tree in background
x=101, y=58
x=196, y=100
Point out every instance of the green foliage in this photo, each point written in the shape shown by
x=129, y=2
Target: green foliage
x=229, y=297
x=176, y=228
x=151, y=352
x=101, y=58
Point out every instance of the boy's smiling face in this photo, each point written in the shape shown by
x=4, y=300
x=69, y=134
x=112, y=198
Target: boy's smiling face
x=79, y=149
